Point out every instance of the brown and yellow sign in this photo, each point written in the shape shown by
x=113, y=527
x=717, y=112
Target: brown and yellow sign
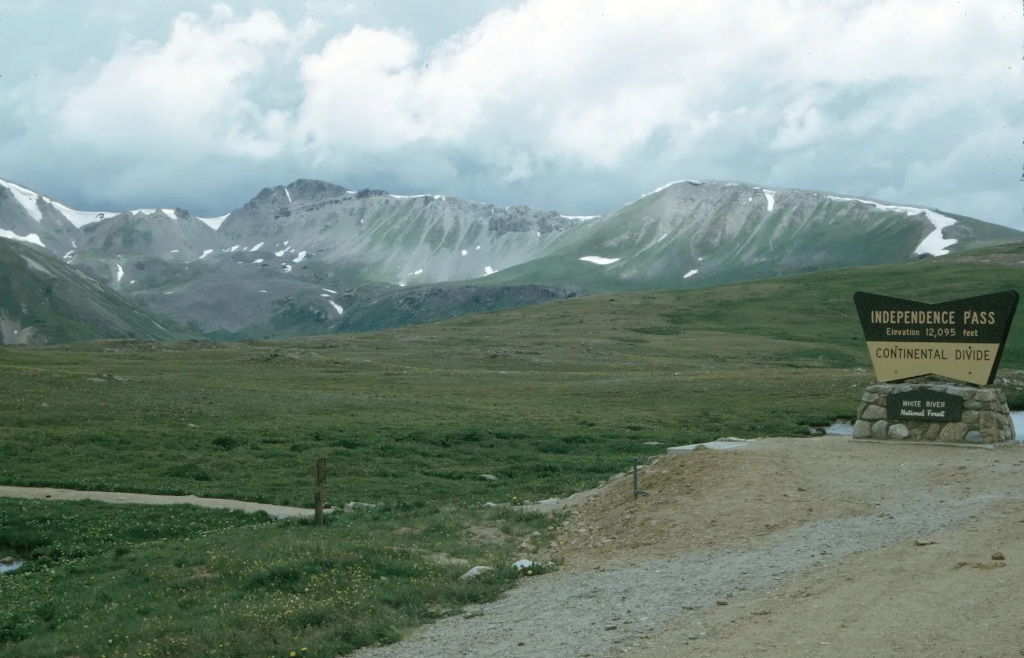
x=962, y=339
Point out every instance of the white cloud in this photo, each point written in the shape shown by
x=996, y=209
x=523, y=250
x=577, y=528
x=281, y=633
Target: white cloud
x=802, y=125
x=590, y=81
x=582, y=103
x=360, y=90
x=187, y=96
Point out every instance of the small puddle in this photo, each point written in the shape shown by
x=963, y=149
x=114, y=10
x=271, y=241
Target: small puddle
x=12, y=565
x=1018, y=424
x=840, y=427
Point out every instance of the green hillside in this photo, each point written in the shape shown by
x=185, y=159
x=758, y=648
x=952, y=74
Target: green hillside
x=622, y=365
x=43, y=301
x=548, y=399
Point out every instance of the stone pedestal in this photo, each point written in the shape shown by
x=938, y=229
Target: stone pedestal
x=985, y=417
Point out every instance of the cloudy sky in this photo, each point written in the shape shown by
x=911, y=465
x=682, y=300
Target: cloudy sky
x=577, y=106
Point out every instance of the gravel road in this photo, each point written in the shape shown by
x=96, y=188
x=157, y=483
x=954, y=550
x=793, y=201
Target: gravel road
x=915, y=492
x=277, y=511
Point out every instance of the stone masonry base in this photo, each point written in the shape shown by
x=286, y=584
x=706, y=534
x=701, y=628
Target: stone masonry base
x=985, y=417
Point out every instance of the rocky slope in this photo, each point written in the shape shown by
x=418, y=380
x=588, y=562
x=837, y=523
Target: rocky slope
x=314, y=257
x=699, y=234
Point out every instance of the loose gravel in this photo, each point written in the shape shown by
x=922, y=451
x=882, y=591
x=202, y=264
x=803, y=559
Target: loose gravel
x=604, y=612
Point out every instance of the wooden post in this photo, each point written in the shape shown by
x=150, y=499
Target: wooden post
x=318, y=495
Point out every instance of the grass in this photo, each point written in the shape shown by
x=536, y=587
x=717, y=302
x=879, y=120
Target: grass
x=550, y=399
x=394, y=422
x=183, y=581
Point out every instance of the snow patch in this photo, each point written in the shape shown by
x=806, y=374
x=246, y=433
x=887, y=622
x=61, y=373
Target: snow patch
x=288, y=194
x=206, y=252
x=281, y=253
x=120, y=272
x=68, y=255
x=675, y=182
x=79, y=218
x=301, y=257
x=256, y=247
x=933, y=243
x=666, y=186
x=598, y=260
x=417, y=196
x=174, y=251
x=661, y=238
x=323, y=294
x=234, y=248
x=286, y=267
x=169, y=213
x=214, y=222
x=28, y=199
x=417, y=272
x=580, y=217
x=31, y=237
x=770, y=198
x=488, y=270
x=689, y=274
x=337, y=308
x=333, y=292
x=257, y=261
x=464, y=252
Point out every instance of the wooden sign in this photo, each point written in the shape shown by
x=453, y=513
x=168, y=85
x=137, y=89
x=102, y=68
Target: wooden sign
x=961, y=339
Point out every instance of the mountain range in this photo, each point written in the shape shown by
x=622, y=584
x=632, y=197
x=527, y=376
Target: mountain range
x=312, y=257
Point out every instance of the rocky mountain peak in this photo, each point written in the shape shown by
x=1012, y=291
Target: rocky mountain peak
x=305, y=189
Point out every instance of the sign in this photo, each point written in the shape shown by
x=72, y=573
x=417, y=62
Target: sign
x=922, y=404
x=961, y=339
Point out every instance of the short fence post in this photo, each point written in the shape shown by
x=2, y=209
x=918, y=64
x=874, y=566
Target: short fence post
x=318, y=494
x=636, y=491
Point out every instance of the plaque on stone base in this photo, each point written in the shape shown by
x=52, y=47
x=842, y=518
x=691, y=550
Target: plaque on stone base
x=977, y=415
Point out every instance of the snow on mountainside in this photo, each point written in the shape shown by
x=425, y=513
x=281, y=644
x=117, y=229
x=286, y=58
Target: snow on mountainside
x=31, y=238
x=933, y=244
x=290, y=259
x=29, y=200
x=213, y=222
x=390, y=238
x=701, y=233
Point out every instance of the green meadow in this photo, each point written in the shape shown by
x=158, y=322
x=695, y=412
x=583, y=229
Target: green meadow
x=549, y=399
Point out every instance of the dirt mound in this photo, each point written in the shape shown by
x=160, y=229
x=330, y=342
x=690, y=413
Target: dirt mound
x=741, y=498
x=698, y=500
